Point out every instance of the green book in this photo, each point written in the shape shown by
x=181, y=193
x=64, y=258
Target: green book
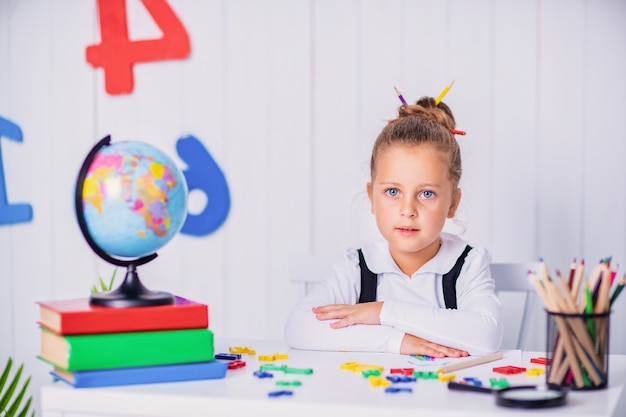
x=120, y=350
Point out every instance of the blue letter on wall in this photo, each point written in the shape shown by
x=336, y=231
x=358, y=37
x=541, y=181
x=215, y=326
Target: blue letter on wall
x=11, y=213
x=205, y=175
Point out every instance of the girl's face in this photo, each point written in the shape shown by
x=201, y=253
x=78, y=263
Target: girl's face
x=411, y=196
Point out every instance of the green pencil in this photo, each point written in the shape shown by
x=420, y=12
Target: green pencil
x=618, y=289
x=589, y=310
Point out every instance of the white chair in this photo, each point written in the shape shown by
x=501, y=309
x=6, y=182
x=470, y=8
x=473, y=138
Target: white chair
x=310, y=270
x=518, y=298
x=512, y=286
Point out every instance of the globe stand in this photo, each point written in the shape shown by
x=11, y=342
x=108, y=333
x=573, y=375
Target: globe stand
x=131, y=293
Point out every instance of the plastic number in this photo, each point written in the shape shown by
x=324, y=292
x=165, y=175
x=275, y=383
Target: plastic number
x=11, y=213
x=205, y=175
x=116, y=53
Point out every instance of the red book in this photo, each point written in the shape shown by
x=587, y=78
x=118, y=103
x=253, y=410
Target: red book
x=77, y=316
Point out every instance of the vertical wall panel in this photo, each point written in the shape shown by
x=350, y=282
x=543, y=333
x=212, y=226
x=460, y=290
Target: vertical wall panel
x=515, y=128
x=289, y=162
x=513, y=198
x=337, y=78
x=604, y=148
x=248, y=138
x=427, y=65
x=70, y=135
x=561, y=161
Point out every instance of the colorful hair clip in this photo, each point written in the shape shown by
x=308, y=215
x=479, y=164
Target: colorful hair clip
x=457, y=132
x=443, y=93
x=400, y=97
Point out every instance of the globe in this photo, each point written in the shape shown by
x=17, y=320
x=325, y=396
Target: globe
x=134, y=199
x=131, y=200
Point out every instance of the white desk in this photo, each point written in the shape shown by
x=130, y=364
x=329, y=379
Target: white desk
x=328, y=392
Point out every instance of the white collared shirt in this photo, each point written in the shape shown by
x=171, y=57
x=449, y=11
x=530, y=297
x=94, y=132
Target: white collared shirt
x=413, y=305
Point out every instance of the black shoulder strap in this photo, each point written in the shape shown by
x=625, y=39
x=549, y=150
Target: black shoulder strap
x=449, y=280
x=369, y=281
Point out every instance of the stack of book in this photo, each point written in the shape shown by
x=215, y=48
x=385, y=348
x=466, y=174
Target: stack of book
x=94, y=346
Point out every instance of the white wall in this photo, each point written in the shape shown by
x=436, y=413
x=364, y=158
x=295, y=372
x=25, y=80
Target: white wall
x=288, y=97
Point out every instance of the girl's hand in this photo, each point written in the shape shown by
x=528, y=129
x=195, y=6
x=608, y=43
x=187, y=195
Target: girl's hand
x=347, y=314
x=413, y=345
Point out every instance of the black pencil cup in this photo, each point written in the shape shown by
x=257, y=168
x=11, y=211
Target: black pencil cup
x=578, y=350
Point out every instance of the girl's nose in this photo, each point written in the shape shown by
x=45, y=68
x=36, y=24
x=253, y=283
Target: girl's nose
x=408, y=210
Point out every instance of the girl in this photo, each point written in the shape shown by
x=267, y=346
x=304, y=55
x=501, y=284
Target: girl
x=419, y=291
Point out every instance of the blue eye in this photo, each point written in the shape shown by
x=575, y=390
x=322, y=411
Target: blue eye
x=392, y=192
x=428, y=194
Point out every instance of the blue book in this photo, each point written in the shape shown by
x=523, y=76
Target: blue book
x=143, y=374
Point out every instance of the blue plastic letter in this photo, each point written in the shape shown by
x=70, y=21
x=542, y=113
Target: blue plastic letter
x=11, y=213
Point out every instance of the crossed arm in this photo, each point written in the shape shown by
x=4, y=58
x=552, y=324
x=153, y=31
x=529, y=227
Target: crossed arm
x=369, y=313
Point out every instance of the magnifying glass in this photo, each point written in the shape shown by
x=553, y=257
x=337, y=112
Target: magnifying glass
x=525, y=396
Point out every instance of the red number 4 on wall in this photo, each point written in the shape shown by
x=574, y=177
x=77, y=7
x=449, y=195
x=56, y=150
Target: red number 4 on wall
x=116, y=53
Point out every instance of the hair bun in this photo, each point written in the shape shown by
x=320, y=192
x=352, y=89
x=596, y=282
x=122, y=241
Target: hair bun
x=426, y=108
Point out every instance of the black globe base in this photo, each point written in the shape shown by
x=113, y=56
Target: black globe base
x=131, y=293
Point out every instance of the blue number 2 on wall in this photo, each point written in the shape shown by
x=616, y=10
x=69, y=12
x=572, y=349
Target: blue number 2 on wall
x=203, y=174
x=11, y=213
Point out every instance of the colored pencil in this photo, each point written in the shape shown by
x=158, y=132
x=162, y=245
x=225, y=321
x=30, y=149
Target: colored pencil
x=604, y=286
x=578, y=277
x=614, y=273
x=618, y=290
x=443, y=93
x=589, y=309
x=400, y=97
x=572, y=271
x=470, y=362
x=580, y=348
